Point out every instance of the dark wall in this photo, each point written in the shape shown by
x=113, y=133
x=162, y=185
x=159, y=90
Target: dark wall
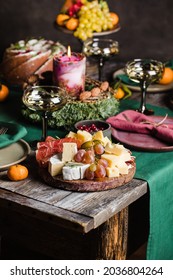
x=146, y=25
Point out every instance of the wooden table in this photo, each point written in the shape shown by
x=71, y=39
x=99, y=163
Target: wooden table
x=63, y=224
x=68, y=225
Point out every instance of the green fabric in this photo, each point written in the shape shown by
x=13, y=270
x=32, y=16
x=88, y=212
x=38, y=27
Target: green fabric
x=124, y=78
x=13, y=134
x=157, y=170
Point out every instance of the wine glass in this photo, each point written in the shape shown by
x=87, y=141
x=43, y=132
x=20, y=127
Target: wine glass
x=101, y=49
x=144, y=72
x=44, y=99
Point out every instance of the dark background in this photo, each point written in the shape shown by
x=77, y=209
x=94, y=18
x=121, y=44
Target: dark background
x=146, y=25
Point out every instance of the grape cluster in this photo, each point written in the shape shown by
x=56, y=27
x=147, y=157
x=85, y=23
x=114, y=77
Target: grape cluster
x=90, y=154
x=93, y=17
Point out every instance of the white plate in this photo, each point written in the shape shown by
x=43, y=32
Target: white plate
x=13, y=154
x=151, y=88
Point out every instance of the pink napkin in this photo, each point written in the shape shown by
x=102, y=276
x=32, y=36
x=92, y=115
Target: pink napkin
x=136, y=122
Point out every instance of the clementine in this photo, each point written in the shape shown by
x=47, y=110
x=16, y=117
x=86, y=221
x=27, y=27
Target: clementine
x=61, y=19
x=167, y=76
x=114, y=17
x=4, y=92
x=17, y=172
x=72, y=23
x=119, y=94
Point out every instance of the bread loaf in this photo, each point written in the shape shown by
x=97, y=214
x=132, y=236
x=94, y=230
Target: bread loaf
x=27, y=57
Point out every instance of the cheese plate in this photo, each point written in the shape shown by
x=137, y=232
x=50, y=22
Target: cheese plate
x=97, y=184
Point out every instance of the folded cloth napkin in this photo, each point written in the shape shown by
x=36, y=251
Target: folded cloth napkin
x=136, y=122
x=13, y=134
x=125, y=79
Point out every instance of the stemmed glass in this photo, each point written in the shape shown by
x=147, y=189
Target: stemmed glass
x=44, y=99
x=101, y=49
x=144, y=72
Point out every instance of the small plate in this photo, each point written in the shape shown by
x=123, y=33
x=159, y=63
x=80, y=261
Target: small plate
x=13, y=154
x=152, y=88
x=143, y=142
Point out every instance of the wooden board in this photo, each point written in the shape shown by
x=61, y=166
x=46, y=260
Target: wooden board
x=99, y=184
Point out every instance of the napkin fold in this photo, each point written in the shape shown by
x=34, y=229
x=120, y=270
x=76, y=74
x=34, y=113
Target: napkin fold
x=14, y=133
x=124, y=78
x=136, y=122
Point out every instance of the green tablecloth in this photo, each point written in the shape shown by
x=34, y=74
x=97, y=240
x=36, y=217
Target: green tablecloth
x=155, y=168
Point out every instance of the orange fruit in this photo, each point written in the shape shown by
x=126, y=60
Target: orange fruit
x=119, y=94
x=167, y=76
x=17, y=172
x=72, y=23
x=4, y=92
x=61, y=19
x=114, y=17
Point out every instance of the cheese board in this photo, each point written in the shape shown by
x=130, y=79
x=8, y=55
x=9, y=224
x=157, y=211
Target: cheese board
x=98, y=184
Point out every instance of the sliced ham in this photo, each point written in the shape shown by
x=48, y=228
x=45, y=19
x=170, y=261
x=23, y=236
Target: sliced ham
x=51, y=147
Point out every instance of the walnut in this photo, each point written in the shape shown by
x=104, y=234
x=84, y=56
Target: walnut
x=104, y=86
x=85, y=95
x=95, y=92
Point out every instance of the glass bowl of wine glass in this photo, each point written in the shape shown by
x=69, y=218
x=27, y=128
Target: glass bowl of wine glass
x=44, y=99
x=144, y=72
x=101, y=49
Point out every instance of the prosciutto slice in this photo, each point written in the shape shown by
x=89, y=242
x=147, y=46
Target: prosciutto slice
x=51, y=147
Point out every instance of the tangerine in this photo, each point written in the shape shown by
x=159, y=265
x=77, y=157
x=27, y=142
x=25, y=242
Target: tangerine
x=72, y=23
x=4, y=92
x=119, y=94
x=17, y=172
x=167, y=76
x=61, y=19
x=114, y=17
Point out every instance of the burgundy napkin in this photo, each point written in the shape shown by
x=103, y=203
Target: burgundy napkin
x=136, y=122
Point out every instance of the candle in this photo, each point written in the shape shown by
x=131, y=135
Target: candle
x=69, y=72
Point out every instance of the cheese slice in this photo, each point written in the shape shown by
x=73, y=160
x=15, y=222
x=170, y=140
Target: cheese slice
x=55, y=165
x=84, y=136
x=112, y=172
x=72, y=134
x=98, y=136
x=74, y=171
x=123, y=168
x=69, y=151
x=106, y=141
x=114, y=160
x=115, y=149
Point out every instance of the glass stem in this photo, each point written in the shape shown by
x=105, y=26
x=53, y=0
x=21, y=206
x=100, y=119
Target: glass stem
x=144, y=86
x=101, y=63
x=44, y=126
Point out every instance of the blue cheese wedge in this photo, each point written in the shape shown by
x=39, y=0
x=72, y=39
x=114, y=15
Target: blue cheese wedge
x=74, y=171
x=55, y=165
x=69, y=151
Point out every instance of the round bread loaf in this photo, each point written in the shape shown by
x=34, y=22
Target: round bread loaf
x=27, y=57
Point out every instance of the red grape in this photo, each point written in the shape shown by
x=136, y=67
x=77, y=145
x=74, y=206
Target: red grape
x=88, y=157
x=103, y=162
x=100, y=171
x=79, y=156
x=99, y=149
x=89, y=175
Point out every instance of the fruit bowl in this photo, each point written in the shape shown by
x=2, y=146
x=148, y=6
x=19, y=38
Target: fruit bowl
x=93, y=126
